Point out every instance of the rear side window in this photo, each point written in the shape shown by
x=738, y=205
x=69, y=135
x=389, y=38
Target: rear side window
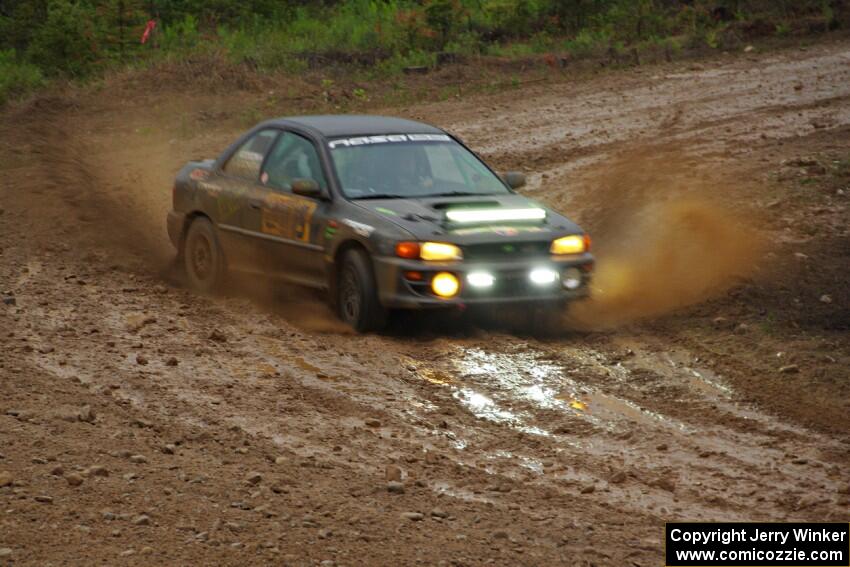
x=248, y=159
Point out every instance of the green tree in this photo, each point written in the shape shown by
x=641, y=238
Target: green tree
x=66, y=42
x=121, y=23
x=443, y=16
x=19, y=20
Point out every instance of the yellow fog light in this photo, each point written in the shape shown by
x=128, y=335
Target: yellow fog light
x=439, y=251
x=573, y=244
x=445, y=285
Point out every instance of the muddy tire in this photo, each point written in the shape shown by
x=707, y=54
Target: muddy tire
x=357, y=294
x=203, y=259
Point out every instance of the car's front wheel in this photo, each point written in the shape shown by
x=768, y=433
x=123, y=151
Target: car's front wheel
x=203, y=259
x=357, y=294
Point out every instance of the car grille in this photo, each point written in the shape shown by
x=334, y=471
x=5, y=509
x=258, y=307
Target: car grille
x=509, y=284
x=506, y=250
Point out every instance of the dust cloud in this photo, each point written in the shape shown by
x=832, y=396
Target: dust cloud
x=109, y=205
x=89, y=206
x=666, y=239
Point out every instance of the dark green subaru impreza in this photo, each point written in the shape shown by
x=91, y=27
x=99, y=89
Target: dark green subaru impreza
x=383, y=213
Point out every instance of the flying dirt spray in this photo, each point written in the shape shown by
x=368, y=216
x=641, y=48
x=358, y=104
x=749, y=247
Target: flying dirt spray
x=662, y=244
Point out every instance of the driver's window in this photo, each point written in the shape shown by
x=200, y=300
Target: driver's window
x=293, y=157
x=248, y=159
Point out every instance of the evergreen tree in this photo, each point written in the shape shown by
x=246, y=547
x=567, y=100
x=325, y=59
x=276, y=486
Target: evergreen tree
x=121, y=24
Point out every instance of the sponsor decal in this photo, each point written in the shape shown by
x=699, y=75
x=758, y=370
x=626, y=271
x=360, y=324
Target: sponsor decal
x=386, y=211
x=387, y=139
x=287, y=216
x=330, y=229
x=198, y=174
x=359, y=228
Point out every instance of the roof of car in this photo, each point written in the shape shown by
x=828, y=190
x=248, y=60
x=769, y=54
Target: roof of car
x=334, y=125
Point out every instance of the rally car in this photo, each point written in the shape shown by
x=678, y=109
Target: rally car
x=383, y=213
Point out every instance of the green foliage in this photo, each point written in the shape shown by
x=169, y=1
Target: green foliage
x=17, y=77
x=711, y=38
x=120, y=24
x=634, y=21
x=397, y=63
x=443, y=17
x=181, y=36
x=66, y=42
x=19, y=20
x=80, y=38
x=587, y=42
x=513, y=18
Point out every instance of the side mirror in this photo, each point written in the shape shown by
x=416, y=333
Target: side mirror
x=514, y=179
x=307, y=188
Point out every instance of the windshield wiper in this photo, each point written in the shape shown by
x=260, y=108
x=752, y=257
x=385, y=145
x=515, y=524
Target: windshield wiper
x=380, y=196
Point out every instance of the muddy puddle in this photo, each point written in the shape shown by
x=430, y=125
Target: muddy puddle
x=586, y=414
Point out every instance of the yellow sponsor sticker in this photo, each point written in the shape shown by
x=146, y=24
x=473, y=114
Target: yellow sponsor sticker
x=287, y=216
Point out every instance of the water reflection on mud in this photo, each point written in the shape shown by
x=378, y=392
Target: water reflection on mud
x=512, y=388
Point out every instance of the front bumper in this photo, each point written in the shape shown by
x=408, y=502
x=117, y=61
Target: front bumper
x=511, y=284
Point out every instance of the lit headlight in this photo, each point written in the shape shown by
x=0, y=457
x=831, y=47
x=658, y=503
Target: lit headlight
x=495, y=215
x=573, y=244
x=439, y=251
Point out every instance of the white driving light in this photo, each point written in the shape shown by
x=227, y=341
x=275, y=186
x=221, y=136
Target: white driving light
x=571, y=278
x=480, y=279
x=543, y=276
x=495, y=215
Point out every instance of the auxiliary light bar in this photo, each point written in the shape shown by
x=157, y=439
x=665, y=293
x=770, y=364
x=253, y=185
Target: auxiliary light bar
x=494, y=215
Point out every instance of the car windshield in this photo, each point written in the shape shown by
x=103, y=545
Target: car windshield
x=410, y=166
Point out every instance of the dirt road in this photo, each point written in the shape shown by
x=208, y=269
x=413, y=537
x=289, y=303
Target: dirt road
x=708, y=380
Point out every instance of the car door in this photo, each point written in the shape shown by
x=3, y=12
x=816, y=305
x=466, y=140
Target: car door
x=288, y=228
x=233, y=184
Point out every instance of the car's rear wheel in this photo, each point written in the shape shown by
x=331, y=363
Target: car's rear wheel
x=357, y=294
x=203, y=259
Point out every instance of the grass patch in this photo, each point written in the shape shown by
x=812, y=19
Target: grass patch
x=17, y=78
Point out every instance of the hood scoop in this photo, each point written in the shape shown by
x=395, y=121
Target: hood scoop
x=466, y=205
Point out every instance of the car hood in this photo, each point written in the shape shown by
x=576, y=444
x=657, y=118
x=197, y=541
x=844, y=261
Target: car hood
x=426, y=218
